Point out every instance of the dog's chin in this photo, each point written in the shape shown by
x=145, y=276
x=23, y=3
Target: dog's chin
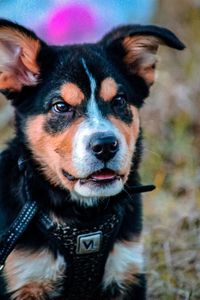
x=96, y=186
x=98, y=189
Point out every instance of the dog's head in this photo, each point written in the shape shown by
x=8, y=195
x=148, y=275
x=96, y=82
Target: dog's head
x=77, y=106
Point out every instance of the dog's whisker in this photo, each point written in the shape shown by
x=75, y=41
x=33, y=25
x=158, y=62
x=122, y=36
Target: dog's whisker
x=157, y=154
x=129, y=195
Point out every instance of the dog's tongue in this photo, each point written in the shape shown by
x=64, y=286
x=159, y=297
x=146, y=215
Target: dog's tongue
x=103, y=174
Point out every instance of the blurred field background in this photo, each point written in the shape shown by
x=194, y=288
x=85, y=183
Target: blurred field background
x=171, y=121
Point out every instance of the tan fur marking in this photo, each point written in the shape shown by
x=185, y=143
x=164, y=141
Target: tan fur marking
x=130, y=132
x=148, y=73
x=108, y=89
x=141, y=55
x=130, y=277
x=71, y=93
x=54, y=153
x=33, y=291
x=8, y=81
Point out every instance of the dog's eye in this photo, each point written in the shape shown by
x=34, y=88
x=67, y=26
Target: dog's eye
x=61, y=107
x=119, y=101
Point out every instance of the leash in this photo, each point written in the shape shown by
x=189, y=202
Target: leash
x=141, y=188
x=31, y=208
x=17, y=228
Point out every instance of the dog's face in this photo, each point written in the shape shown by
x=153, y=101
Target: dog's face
x=77, y=106
x=85, y=132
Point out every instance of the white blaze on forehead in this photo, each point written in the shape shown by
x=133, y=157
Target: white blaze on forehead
x=93, y=111
x=84, y=161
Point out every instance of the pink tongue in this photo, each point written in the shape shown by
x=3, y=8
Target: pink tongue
x=103, y=174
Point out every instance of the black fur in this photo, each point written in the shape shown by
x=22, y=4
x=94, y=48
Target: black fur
x=58, y=65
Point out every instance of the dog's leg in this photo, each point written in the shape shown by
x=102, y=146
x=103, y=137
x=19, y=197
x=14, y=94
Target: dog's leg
x=123, y=279
x=34, y=275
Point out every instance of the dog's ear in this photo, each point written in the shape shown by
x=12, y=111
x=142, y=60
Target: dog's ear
x=134, y=48
x=19, y=49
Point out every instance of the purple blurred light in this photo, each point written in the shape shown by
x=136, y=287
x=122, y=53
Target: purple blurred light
x=70, y=23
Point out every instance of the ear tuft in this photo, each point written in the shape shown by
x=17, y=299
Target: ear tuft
x=140, y=56
x=137, y=47
x=19, y=50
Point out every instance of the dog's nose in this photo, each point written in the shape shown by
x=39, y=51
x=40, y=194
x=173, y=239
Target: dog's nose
x=104, y=146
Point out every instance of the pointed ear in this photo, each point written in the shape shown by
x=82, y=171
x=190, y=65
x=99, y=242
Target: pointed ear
x=19, y=49
x=135, y=47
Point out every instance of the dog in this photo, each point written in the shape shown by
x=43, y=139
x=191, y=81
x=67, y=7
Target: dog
x=70, y=203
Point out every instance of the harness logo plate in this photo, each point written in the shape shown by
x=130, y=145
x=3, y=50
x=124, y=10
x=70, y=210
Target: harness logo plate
x=89, y=243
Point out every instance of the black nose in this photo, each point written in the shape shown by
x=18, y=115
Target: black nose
x=104, y=146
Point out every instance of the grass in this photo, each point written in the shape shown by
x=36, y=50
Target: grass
x=172, y=161
x=172, y=213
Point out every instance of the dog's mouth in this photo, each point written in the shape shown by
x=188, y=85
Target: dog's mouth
x=103, y=176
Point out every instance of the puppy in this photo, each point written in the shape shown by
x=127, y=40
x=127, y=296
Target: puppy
x=70, y=222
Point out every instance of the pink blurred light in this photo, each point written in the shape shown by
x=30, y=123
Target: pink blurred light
x=70, y=24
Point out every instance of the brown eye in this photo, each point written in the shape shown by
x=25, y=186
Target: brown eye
x=61, y=107
x=119, y=101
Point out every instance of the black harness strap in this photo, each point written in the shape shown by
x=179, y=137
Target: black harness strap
x=10, y=238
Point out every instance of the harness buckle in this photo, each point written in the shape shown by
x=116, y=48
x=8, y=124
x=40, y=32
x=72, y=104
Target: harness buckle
x=89, y=242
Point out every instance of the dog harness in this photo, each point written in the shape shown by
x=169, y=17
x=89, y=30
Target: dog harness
x=86, y=251
x=85, y=246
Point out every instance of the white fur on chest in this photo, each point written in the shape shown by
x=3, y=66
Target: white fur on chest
x=125, y=261
x=25, y=266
